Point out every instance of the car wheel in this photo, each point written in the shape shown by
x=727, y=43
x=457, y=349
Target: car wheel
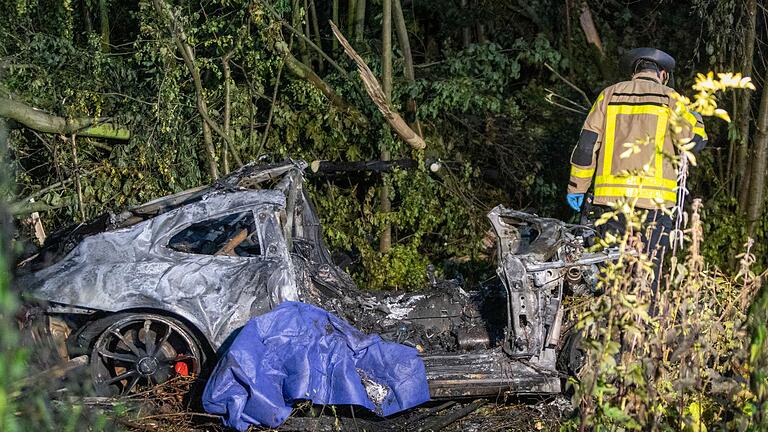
x=572, y=356
x=141, y=350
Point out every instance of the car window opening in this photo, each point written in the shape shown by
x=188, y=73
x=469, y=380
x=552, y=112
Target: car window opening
x=229, y=235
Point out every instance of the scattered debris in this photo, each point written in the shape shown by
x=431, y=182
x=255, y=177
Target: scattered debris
x=376, y=391
x=441, y=422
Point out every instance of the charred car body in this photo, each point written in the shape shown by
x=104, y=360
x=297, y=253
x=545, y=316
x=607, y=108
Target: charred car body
x=157, y=290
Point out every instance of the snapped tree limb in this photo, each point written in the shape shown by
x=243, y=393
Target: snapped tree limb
x=47, y=123
x=303, y=71
x=377, y=95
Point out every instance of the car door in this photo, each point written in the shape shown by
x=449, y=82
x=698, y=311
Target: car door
x=226, y=268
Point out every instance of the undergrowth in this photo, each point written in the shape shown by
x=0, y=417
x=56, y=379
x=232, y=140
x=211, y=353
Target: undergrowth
x=692, y=357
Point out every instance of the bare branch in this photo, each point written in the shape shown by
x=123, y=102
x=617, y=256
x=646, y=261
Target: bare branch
x=572, y=85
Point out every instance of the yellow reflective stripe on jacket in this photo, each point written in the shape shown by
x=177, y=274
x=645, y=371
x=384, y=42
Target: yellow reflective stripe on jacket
x=690, y=118
x=635, y=192
x=662, y=114
x=637, y=181
x=599, y=98
x=582, y=172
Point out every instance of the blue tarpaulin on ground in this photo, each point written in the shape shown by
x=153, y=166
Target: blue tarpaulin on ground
x=301, y=352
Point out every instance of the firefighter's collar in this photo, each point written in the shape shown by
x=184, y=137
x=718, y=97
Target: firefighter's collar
x=647, y=76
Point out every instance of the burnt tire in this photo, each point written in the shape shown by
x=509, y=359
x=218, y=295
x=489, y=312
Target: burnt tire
x=571, y=357
x=140, y=350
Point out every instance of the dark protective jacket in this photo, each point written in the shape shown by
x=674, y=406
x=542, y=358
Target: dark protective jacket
x=631, y=112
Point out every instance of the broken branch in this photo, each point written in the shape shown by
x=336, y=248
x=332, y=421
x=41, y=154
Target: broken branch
x=376, y=93
x=188, y=55
x=305, y=72
x=47, y=123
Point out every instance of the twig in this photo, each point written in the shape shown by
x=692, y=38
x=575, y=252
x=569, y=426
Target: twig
x=447, y=419
x=128, y=97
x=551, y=93
x=54, y=186
x=572, y=85
x=549, y=99
x=430, y=412
x=179, y=414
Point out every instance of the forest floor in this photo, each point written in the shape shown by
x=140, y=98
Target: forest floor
x=164, y=411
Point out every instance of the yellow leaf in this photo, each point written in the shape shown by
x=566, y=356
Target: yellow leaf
x=691, y=158
x=723, y=114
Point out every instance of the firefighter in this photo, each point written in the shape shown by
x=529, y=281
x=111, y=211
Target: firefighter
x=628, y=112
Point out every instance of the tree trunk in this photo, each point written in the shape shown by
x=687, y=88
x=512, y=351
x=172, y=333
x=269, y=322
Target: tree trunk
x=589, y=28
x=405, y=47
x=5, y=131
x=759, y=163
x=78, y=184
x=741, y=174
x=373, y=88
x=316, y=32
x=568, y=39
x=351, y=13
x=104, y=19
x=385, y=242
x=227, y=109
x=297, y=25
x=360, y=21
x=303, y=38
x=87, y=17
x=466, y=33
x=335, y=19
x=593, y=38
x=44, y=122
x=213, y=167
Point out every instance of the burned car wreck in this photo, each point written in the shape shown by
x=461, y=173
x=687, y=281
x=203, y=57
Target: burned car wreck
x=158, y=290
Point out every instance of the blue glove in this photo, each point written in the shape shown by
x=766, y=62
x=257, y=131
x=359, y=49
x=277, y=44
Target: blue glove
x=575, y=200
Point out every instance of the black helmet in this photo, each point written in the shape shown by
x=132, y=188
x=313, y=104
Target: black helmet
x=662, y=59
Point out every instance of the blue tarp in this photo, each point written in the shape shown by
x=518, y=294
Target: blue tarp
x=301, y=352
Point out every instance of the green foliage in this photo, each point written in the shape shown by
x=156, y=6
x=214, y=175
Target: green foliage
x=482, y=107
x=147, y=87
x=672, y=357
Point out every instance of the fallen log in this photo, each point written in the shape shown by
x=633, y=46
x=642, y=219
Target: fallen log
x=47, y=123
x=331, y=167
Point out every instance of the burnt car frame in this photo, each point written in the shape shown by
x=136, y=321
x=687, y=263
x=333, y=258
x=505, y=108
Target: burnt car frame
x=157, y=290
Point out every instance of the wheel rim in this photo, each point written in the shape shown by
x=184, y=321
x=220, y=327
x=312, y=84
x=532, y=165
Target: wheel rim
x=141, y=351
